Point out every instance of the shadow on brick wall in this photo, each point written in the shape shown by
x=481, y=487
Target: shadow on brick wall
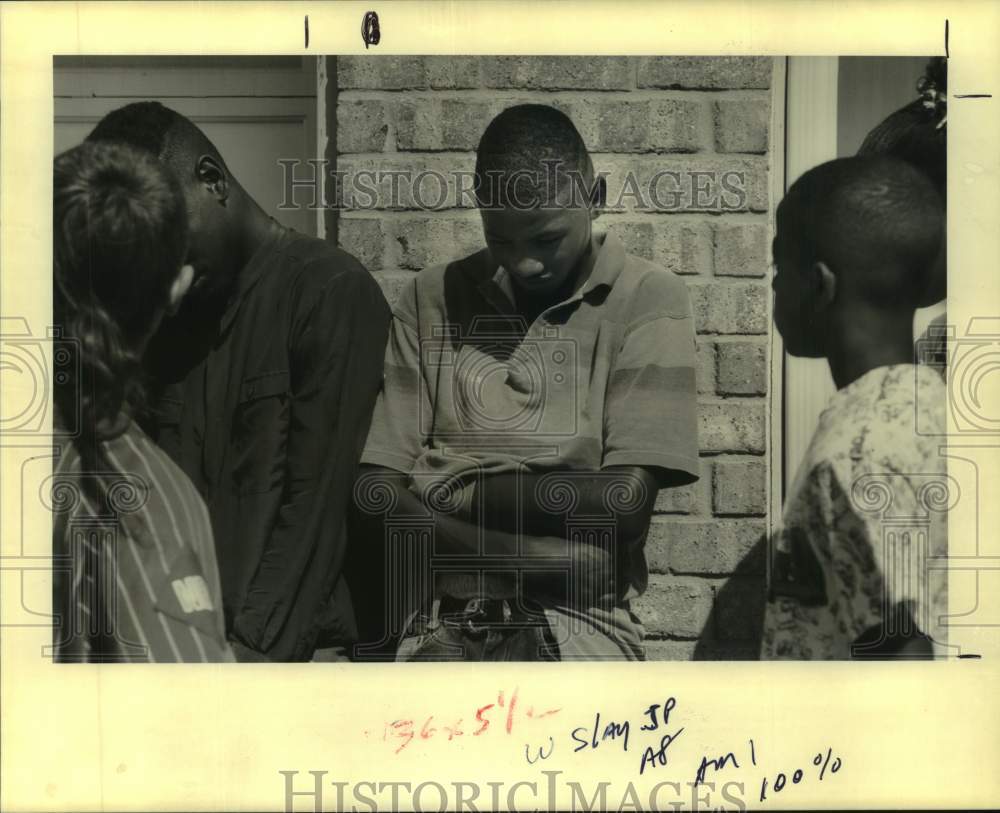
x=735, y=625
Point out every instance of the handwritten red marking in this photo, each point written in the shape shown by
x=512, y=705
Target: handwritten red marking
x=405, y=731
x=427, y=731
x=531, y=713
x=454, y=731
x=510, y=711
x=481, y=719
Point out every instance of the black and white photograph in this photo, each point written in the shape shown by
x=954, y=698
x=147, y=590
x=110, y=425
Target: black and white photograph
x=499, y=406
x=511, y=358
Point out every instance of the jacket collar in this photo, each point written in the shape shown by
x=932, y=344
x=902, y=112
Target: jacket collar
x=251, y=274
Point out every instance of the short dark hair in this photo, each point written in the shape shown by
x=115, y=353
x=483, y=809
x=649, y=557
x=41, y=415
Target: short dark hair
x=534, y=143
x=916, y=133
x=154, y=128
x=876, y=219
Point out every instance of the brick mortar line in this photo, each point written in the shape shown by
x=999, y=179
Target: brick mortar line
x=758, y=339
x=674, y=516
x=753, y=157
x=705, y=454
x=716, y=400
x=716, y=582
x=515, y=94
x=701, y=281
x=689, y=519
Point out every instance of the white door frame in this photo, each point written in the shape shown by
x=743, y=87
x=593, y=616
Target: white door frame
x=810, y=139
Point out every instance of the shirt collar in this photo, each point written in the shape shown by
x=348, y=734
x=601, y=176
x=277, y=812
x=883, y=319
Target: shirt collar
x=250, y=274
x=896, y=381
x=607, y=268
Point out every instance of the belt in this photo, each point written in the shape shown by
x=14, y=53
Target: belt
x=489, y=611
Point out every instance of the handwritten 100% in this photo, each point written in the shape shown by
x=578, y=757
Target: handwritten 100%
x=820, y=761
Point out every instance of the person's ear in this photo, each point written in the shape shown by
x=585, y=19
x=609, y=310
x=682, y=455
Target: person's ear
x=213, y=177
x=823, y=286
x=179, y=289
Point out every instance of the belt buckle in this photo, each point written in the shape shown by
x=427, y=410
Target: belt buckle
x=474, y=609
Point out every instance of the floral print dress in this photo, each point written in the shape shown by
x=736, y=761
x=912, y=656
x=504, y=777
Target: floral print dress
x=863, y=536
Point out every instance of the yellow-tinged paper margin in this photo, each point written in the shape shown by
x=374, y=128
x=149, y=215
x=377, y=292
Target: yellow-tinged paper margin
x=216, y=738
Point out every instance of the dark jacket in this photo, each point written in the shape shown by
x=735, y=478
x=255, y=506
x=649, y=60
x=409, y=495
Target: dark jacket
x=267, y=411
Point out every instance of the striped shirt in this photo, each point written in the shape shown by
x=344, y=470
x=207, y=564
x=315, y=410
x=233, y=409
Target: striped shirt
x=605, y=378
x=145, y=587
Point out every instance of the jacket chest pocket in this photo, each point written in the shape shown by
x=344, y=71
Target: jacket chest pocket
x=260, y=432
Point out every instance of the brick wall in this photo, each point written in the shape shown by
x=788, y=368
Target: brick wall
x=641, y=114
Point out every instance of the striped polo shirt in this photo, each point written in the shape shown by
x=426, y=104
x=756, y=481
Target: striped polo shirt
x=604, y=378
x=145, y=587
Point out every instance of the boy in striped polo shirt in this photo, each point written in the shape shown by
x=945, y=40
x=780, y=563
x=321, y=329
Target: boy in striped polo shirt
x=537, y=395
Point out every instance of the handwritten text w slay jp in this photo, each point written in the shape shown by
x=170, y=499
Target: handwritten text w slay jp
x=656, y=718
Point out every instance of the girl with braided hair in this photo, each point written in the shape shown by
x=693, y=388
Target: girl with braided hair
x=135, y=577
x=917, y=133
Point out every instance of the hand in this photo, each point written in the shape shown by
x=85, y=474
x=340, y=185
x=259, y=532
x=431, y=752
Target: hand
x=591, y=571
x=245, y=654
x=593, y=567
